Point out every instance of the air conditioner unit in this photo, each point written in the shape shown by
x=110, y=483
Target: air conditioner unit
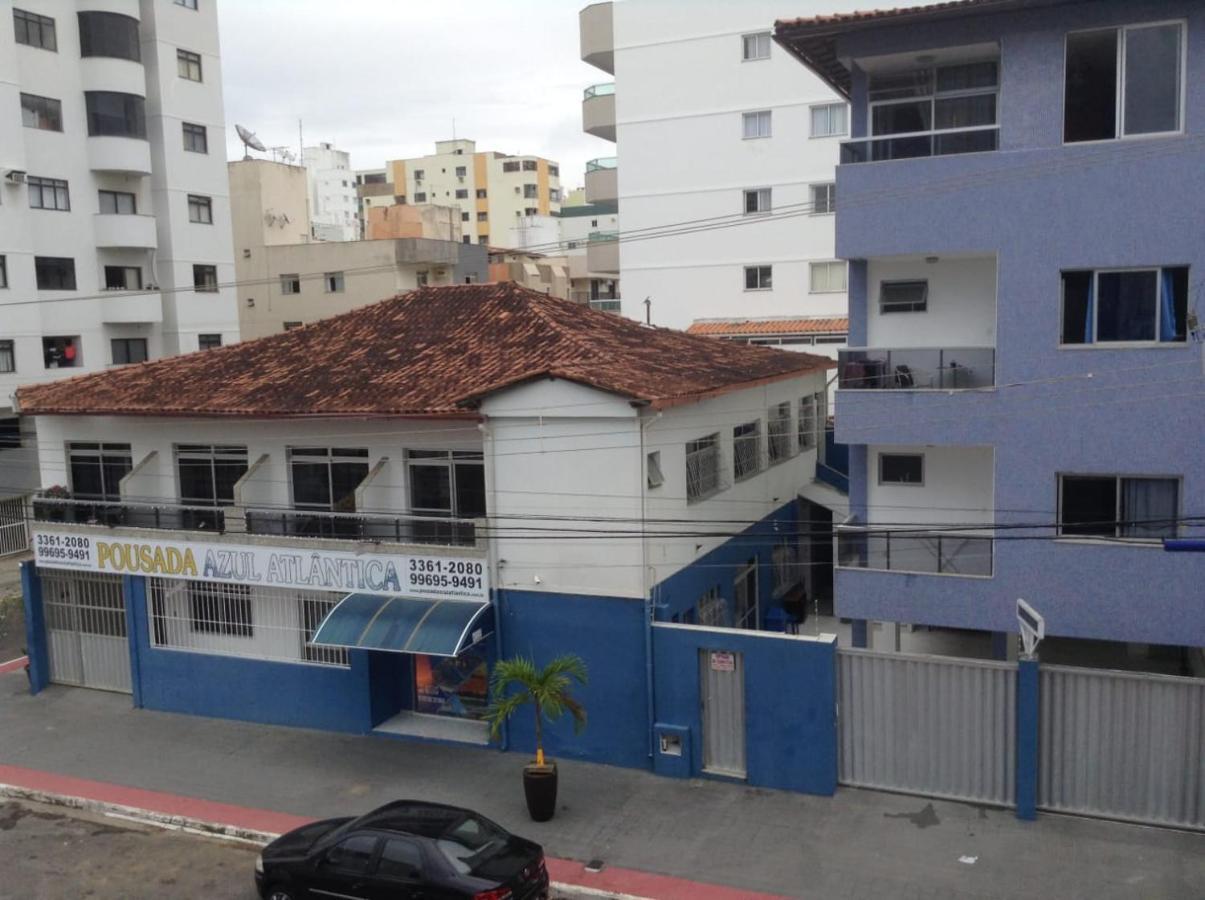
x=16, y=176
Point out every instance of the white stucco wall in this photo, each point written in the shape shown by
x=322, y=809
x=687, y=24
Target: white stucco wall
x=958, y=488
x=961, y=307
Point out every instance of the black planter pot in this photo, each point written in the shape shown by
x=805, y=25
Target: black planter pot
x=539, y=787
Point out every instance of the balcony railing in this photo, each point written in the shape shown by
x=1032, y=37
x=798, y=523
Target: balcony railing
x=176, y=517
x=602, y=163
x=887, y=549
x=599, y=90
x=361, y=527
x=606, y=305
x=944, y=368
x=980, y=139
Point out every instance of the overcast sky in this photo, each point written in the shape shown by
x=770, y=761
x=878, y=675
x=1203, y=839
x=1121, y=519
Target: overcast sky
x=383, y=79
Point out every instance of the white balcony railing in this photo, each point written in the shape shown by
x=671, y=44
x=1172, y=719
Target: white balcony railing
x=887, y=548
x=916, y=368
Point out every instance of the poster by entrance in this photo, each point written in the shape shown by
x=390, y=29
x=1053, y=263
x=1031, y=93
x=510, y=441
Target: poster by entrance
x=452, y=686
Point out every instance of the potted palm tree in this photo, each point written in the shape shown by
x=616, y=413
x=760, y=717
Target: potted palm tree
x=517, y=682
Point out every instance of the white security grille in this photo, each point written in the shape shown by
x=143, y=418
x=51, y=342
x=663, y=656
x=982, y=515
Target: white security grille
x=237, y=620
x=746, y=450
x=86, y=630
x=14, y=535
x=778, y=432
x=702, y=467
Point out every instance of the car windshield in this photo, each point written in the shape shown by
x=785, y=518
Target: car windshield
x=469, y=842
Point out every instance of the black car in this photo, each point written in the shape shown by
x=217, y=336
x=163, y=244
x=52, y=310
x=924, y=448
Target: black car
x=403, y=851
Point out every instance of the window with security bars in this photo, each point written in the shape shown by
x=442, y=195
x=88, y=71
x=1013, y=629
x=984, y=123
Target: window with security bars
x=785, y=571
x=811, y=418
x=85, y=602
x=702, y=467
x=254, y=622
x=778, y=432
x=711, y=609
x=746, y=450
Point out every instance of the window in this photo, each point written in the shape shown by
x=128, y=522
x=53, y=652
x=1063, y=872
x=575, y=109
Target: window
x=746, y=450
x=187, y=4
x=1123, y=82
x=10, y=428
x=205, y=279
x=207, y=473
x=468, y=239
x=530, y=211
x=481, y=193
x=420, y=197
x=461, y=171
x=111, y=114
x=529, y=165
x=755, y=46
x=200, y=209
x=483, y=217
x=333, y=282
x=34, y=30
x=702, y=467
x=418, y=174
x=903, y=296
x=827, y=277
x=8, y=357
x=128, y=350
x=959, y=97
x=353, y=854
x=41, y=112
x=1118, y=506
x=829, y=120
x=400, y=859
x=554, y=170
x=462, y=194
x=655, y=476
x=759, y=278
x=117, y=203
x=326, y=479
x=483, y=239
x=123, y=278
x=96, y=470
x=314, y=609
x=824, y=198
x=208, y=341
x=61, y=352
x=811, y=419
x=48, y=193
x=511, y=166
x=1127, y=305
x=711, y=609
x=290, y=284
x=109, y=34
x=54, y=273
x=3, y=271
x=901, y=468
x=778, y=432
x=188, y=65
x=530, y=191
x=744, y=598
x=446, y=483
x=289, y=326
x=464, y=217
x=196, y=138
x=224, y=609
x=755, y=124
x=757, y=200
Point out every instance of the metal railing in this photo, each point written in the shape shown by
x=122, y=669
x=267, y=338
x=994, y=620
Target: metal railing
x=887, y=549
x=361, y=527
x=605, y=305
x=602, y=163
x=179, y=517
x=945, y=368
x=599, y=90
x=980, y=139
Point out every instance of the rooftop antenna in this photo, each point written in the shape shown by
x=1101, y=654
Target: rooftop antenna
x=250, y=141
x=648, y=310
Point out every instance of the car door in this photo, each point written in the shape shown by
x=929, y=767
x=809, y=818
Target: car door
x=342, y=871
x=401, y=873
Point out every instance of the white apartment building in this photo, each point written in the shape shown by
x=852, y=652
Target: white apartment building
x=334, y=206
x=115, y=242
x=725, y=147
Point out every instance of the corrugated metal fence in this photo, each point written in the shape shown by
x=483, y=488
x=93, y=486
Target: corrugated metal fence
x=928, y=725
x=1123, y=745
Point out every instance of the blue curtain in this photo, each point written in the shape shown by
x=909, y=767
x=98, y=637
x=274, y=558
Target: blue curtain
x=1167, y=318
x=1089, y=333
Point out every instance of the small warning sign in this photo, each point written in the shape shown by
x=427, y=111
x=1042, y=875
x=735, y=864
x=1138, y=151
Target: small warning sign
x=723, y=661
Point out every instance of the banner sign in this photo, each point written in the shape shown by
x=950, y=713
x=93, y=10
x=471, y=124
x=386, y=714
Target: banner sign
x=392, y=574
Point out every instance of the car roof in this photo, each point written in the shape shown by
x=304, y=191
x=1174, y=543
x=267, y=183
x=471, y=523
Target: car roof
x=414, y=817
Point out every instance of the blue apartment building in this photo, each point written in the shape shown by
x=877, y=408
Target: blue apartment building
x=1021, y=206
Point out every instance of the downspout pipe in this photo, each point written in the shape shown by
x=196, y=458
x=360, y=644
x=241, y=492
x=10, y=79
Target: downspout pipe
x=647, y=578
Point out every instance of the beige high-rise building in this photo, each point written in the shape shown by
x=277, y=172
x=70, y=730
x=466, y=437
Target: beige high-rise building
x=491, y=190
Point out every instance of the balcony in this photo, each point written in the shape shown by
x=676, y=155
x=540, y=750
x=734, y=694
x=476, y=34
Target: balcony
x=921, y=368
x=931, y=551
x=126, y=308
x=112, y=514
x=602, y=180
x=611, y=306
x=124, y=231
x=359, y=527
x=122, y=155
x=602, y=252
x=597, y=36
x=598, y=111
x=980, y=139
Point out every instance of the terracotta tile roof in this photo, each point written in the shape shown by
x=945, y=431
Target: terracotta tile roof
x=430, y=352
x=768, y=326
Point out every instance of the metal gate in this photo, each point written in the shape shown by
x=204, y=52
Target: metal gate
x=929, y=725
x=722, y=693
x=1123, y=745
x=14, y=534
x=86, y=630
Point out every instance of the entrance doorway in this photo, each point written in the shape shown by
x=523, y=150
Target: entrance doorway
x=722, y=696
x=86, y=638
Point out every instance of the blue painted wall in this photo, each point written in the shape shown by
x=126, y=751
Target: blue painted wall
x=35, y=628
x=1041, y=207
x=790, y=702
x=608, y=633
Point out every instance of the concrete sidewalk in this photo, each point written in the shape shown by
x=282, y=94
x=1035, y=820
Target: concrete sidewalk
x=857, y=844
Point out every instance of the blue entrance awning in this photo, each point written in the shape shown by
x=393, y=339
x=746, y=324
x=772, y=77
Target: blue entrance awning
x=405, y=624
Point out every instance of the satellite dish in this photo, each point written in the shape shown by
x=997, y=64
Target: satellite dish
x=250, y=141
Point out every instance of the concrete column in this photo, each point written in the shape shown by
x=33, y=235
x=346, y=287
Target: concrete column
x=35, y=628
x=133, y=587
x=1027, y=738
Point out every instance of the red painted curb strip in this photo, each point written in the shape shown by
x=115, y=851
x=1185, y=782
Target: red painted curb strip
x=14, y=664
x=622, y=881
